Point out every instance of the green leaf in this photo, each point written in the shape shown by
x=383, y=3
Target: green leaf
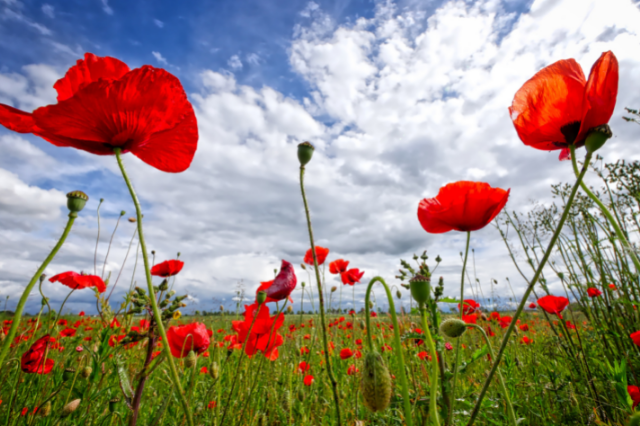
x=449, y=300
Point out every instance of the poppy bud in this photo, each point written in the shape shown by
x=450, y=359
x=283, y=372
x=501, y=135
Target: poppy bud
x=300, y=395
x=398, y=294
x=375, y=384
x=45, y=410
x=44, y=301
x=86, y=372
x=420, y=288
x=303, y=267
x=214, y=371
x=132, y=220
x=76, y=201
x=262, y=297
x=303, y=284
x=453, y=327
x=164, y=286
x=221, y=308
x=68, y=374
x=191, y=360
x=597, y=137
x=112, y=404
x=70, y=407
x=290, y=309
x=333, y=289
x=305, y=152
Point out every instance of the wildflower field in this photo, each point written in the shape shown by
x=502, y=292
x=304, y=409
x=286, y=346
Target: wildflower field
x=544, y=358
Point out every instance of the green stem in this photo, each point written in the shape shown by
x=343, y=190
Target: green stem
x=61, y=307
x=334, y=384
x=458, y=348
x=433, y=393
x=534, y=280
x=23, y=299
x=399, y=353
x=510, y=411
x=156, y=312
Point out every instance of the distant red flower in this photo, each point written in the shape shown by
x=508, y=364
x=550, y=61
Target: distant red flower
x=558, y=107
x=115, y=323
x=495, y=316
x=570, y=326
x=308, y=380
x=303, y=366
x=532, y=305
x=168, y=268
x=338, y=266
x=385, y=347
x=346, y=353
x=448, y=346
x=184, y=338
x=374, y=314
x=613, y=287
x=78, y=281
x=424, y=355
x=24, y=411
x=351, y=276
x=204, y=370
x=593, y=292
x=68, y=332
x=81, y=314
x=526, y=340
x=470, y=319
x=461, y=206
x=470, y=306
x=103, y=105
x=553, y=304
x=304, y=350
x=505, y=321
x=524, y=327
x=63, y=322
x=352, y=370
x=33, y=360
x=264, y=334
x=211, y=405
x=282, y=286
x=635, y=336
x=114, y=340
x=321, y=255
x=634, y=393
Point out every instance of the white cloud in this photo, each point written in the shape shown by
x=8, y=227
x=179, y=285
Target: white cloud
x=16, y=15
x=106, y=8
x=158, y=23
x=309, y=9
x=48, y=10
x=159, y=58
x=234, y=62
x=253, y=59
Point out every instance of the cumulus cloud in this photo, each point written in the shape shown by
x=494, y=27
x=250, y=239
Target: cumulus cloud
x=159, y=58
x=235, y=63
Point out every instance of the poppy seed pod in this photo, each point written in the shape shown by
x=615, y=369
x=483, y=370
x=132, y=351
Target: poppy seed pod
x=70, y=407
x=398, y=294
x=598, y=136
x=453, y=327
x=191, y=360
x=420, y=287
x=305, y=152
x=262, y=297
x=76, y=201
x=375, y=384
x=221, y=308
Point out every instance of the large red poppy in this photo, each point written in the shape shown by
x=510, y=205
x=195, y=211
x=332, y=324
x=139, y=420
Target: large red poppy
x=79, y=281
x=321, y=255
x=338, y=266
x=264, y=334
x=351, y=276
x=553, y=304
x=558, y=107
x=470, y=306
x=33, y=360
x=103, y=105
x=281, y=287
x=168, y=268
x=188, y=337
x=461, y=206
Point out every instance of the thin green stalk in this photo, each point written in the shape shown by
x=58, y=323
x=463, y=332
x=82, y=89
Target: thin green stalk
x=23, y=299
x=61, y=307
x=534, y=280
x=458, y=348
x=334, y=384
x=156, y=312
x=399, y=353
x=433, y=393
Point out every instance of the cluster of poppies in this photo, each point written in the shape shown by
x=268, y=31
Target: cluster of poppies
x=337, y=267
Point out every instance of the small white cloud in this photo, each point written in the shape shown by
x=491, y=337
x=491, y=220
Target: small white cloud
x=106, y=8
x=311, y=7
x=159, y=23
x=159, y=58
x=253, y=59
x=48, y=10
x=476, y=174
x=235, y=62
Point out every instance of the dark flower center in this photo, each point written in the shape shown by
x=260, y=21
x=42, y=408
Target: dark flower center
x=570, y=131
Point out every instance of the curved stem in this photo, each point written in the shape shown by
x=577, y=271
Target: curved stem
x=458, y=348
x=534, y=280
x=61, y=307
x=511, y=413
x=156, y=312
x=334, y=384
x=433, y=393
x=399, y=354
x=23, y=299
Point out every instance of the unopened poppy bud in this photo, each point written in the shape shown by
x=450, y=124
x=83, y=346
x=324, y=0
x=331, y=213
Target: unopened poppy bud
x=70, y=407
x=76, y=201
x=420, y=288
x=305, y=152
x=333, y=289
x=164, y=286
x=191, y=360
x=597, y=137
x=375, y=384
x=362, y=325
x=398, y=294
x=132, y=220
x=301, y=395
x=221, y=308
x=303, y=267
x=45, y=410
x=289, y=309
x=262, y=297
x=44, y=301
x=453, y=327
x=112, y=404
x=214, y=371
x=68, y=374
x=303, y=284
x=86, y=372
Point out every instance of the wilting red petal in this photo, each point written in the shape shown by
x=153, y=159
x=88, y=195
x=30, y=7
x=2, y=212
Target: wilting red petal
x=283, y=284
x=549, y=101
x=91, y=68
x=16, y=120
x=461, y=206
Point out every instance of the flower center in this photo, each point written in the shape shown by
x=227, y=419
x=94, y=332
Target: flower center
x=570, y=132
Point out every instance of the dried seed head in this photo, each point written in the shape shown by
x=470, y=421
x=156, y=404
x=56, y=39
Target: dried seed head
x=70, y=407
x=453, y=327
x=375, y=384
x=333, y=289
x=221, y=308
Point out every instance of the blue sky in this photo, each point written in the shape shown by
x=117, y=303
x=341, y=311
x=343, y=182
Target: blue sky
x=399, y=98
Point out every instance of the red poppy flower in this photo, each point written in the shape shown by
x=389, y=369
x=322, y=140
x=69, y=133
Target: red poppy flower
x=495, y=316
x=593, y=292
x=635, y=336
x=352, y=370
x=470, y=306
x=168, y=268
x=33, y=360
x=570, y=326
x=308, y=380
x=524, y=327
x=204, y=370
x=346, y=353
x=81, y=314
x=321, y=255
x=374, y=314
x=115, y=323
x=613, y=287
x=184, y=338
x=68, y=332
x=558, y=107
x=470, y=319
x=338, y=266
x=103, y=105
x=211, y=405
x=264, y=334
x=351, y=276
x=532, y=305
x=526, y=340
x=461, y=206
x=448, y=346
x=553, y=304
x=24, y=411
x=303, y=366
x=63, y=322
x=424, y=355
x=304, y=350
x=79, y=281
x=282, y=286
x=634, y=393
x=505, y=321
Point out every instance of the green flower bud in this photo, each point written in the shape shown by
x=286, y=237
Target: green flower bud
x=375, y=384
x=191, y=359
x=420, y=288
x=398, y=294
x=453, y=327
x=214, y=370
x=68, y=374
x=164, y=286
x=76, y=201
x=597, y=137
x=333, y=289
x=262, y=297
x=305, y=152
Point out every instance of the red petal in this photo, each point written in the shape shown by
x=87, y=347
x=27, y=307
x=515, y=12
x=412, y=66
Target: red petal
x=550, y=100
x=16, y=120
x=600, y=94
x=565, y=154
x=86, y=71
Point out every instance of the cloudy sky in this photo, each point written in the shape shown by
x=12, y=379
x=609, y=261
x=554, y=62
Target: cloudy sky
x=399, y=98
